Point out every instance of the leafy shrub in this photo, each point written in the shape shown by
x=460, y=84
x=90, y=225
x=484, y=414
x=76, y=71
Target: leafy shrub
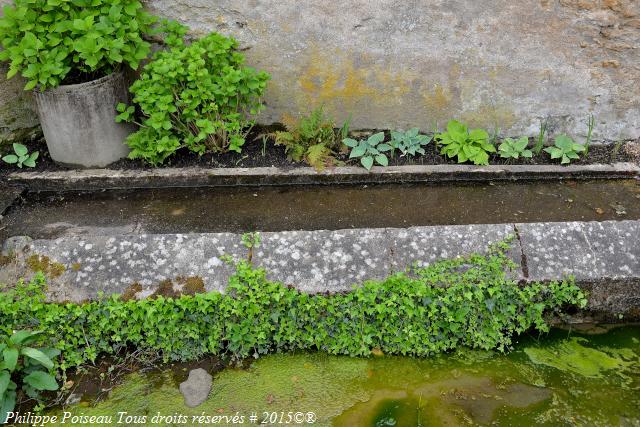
x=52, y=41
x=369, y=150
x=197, y=96
x=312, y=139
x=409, y=142
x=462, y=302
x=514, y=149
x=22, y=364
x=466, y=145
x=565, y=149
x=21, y=157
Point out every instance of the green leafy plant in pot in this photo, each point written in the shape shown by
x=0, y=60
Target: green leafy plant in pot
x=73, y=54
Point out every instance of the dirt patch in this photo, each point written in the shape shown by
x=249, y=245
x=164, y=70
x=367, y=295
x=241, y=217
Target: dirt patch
x=632, y=149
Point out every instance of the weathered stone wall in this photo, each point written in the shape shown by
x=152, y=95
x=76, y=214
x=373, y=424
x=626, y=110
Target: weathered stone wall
x=401, y=63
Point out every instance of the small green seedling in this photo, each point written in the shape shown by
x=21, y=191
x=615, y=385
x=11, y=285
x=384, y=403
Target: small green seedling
x=409, y=142
x=369, y=150
x=565, y=149
x=251, y=241
x=591, y=123
x=514, y=149
x=541, y=136
x=21, y=157
x=458, y=141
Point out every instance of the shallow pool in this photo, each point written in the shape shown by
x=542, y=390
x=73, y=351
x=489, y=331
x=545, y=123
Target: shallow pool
x=569, y=377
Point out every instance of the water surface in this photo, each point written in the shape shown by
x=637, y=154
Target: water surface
x=200, y=210
x=565, y=378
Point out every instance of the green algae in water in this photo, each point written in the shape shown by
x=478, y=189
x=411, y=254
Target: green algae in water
x=571, y=356
x=465, y=387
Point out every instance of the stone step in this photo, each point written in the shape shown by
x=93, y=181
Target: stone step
x=603, y=256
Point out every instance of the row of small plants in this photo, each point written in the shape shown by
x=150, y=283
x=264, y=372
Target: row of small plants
x=314, y=140
x=198, y=94
x=468, y=302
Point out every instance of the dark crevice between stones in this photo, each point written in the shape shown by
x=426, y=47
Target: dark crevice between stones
x=523, y=256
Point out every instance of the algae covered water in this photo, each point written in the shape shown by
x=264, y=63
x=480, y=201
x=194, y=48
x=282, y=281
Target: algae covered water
x=564, y=378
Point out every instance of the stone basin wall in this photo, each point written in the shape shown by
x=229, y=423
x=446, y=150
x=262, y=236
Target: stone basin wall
x=503, y=64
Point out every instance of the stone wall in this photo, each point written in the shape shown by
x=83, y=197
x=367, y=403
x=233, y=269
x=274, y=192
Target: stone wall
x=401, y=63
x=17, y=113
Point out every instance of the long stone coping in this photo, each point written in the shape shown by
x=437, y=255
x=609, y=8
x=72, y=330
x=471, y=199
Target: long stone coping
x=95, y=179
x=603, y=256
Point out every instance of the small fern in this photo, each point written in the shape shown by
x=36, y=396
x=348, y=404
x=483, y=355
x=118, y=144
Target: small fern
x=319, y=156
x=312, y=139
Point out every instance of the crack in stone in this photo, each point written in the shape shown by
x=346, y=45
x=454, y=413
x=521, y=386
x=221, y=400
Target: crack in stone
x=523, y=256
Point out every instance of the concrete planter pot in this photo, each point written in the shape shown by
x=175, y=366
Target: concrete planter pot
x=78, y=122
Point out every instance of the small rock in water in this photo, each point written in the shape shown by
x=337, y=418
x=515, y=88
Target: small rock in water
x=73, y=399
x=196, y=388
x=619, y=208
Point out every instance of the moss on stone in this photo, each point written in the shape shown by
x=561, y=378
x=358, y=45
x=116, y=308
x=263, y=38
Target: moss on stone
x=191, y=285
x=44, y=264
x=131, y=291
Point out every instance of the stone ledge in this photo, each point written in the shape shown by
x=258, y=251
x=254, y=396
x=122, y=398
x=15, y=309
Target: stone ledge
x=604, y=257
x=98, y=179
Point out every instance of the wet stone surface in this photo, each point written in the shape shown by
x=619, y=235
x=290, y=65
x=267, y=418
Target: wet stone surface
x=8, y=196
x=603, y=256
x=269, y=209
